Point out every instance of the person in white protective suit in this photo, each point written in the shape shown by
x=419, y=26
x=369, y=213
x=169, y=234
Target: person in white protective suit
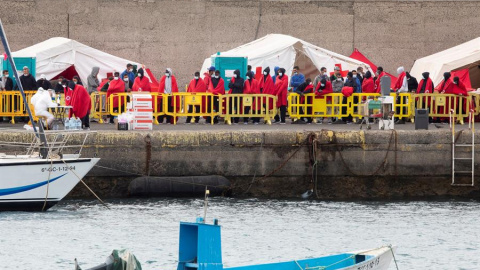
x=41, y=101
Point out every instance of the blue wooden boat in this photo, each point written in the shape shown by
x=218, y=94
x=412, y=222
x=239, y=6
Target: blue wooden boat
x=200, y=248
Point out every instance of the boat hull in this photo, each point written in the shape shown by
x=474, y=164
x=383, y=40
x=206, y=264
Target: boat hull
x=38, y=184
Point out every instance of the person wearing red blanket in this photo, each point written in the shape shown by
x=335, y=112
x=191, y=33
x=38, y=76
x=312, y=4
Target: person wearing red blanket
x=281, y=91
x=217, y=87
x=207, y=76
x=446, y=87
x=141, y=83
x=368, y=86
x=167, y=85
x=67, y=92
x=196, y=85
x=425, y=86
x=380, y=73
x=461, y=90
x=117, y=85
x=401, y=86
x=267, y=87
x=325, y=88
x=237, y=86
x=81, y=103
x=305, y=88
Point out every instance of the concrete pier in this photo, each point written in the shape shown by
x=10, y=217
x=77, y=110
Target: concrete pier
x=275, y=162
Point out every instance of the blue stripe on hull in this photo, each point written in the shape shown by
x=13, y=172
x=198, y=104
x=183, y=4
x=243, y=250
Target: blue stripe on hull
x=10, y=191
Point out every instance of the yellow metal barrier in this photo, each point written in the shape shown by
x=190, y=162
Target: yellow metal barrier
x=11, y=104
x=310, y=106
x=100, y=107
x=193, y=105
x=439, y=105
x=249, y=106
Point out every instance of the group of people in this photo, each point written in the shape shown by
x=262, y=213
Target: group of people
x=356, y=81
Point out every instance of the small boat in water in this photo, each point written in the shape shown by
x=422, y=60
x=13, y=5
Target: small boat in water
x=50, y=167
x=200, y=249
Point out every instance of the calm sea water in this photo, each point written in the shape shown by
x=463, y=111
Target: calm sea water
x=429, y=235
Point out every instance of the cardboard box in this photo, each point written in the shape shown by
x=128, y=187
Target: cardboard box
x=142, y=126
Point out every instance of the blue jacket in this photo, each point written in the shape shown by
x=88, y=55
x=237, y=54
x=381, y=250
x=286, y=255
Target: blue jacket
x=276, y=73
x=358, y=89
x=131, y=76
x=296, y=80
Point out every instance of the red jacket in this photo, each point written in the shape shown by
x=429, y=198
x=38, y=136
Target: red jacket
x=197, y=86
x=116, y=86
x=378, y=88
x=143, y=83
x=68, y=96
x=460, y=89
x=207, y=79
x=253, y=87
x=368, y=85
x=428, y=87
x=399, y=82
x=327, y=90
x=266, y=85
x=281, y=90
x=446, y=87
x=81, y=101
x=219, y=90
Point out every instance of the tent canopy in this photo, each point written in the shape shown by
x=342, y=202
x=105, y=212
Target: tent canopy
x=286, y=51
x=60, y=55
x=460, y=57
x=356, y=54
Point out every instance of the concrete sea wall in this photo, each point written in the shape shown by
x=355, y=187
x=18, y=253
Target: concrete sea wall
x=181, y=33
x=351, y=164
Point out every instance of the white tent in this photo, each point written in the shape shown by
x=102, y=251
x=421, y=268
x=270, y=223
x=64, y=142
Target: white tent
x=286, y=51
x=466, y=55
x=55, y=55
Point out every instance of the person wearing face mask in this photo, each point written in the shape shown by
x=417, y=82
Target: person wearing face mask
x=305, y=88
x=92, y=80
x=128, y=83
x=77, y=80
x=217, y=87
x=380, y=73
x=59, y=87
x=81, y=103
x=281, y=91
x=297, y=78
x=348, y=89
x=275, y=69
x=460, y=89
x=358, y=88
x=44, y=83
x=323, y=75
x=236, y=85
x=368, y=85
x=401, y=86
x=251, y=87
x=360, y=74
x=68, y=93
x=445, y=87
x=129, y=72
x=116, y=86
x=337, y=83
x=196, y=85
x=207, y=76
x=325, y=88
x=6, y=83
x=41, y=101
x=141, y=83
x=425, y=87
x=27, y=80
x=167, y=85
x=267, y=87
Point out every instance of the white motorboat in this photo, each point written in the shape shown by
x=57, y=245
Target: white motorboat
x=48, y=171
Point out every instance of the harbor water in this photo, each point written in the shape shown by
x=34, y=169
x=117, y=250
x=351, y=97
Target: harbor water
x=428, y=234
